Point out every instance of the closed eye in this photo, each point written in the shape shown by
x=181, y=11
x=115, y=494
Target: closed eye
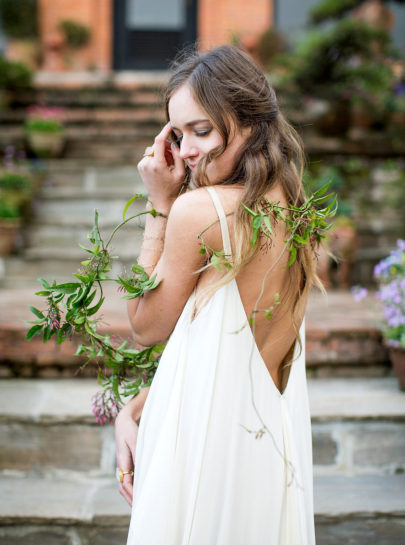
x=203, y=133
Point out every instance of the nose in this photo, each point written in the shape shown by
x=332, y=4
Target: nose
x=187, y=149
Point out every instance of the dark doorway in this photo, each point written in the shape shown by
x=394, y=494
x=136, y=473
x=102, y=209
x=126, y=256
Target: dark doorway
x=149, y=33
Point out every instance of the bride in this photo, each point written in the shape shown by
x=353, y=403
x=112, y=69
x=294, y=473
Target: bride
x=218, y=449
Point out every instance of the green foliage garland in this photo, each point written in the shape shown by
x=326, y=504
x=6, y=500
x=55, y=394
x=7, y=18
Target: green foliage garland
x=72, y=306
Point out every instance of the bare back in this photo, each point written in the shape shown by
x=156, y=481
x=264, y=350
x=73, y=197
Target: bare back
x=274, y=336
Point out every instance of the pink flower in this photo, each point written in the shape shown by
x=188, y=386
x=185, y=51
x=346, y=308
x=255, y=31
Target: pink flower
x=105, y=407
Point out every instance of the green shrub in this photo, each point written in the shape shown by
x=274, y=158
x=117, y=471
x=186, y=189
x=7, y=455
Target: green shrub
x=14, y=75
x=19, y=18
x=15, y=181
x=271, y=43
x=8, y=211
x=76, y=34
x=332, y=9
x=339, y=62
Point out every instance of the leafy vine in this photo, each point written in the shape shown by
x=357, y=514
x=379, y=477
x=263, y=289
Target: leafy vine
x=71, y=307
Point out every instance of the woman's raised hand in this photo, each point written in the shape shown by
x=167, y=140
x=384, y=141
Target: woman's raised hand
x=163, y=173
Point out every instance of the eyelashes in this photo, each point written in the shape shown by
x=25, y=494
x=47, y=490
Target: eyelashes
x=177, y=139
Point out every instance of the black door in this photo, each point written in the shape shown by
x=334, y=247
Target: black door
x=149, y=33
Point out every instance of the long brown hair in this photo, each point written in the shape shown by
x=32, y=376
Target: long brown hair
x=229, y=86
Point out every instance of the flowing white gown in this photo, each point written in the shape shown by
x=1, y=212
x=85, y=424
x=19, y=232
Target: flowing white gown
x=201, y=478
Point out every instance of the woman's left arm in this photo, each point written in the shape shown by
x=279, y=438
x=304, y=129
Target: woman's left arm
x=154, y=315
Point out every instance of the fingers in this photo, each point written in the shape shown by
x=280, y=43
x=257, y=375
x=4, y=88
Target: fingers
x=160, y=143
x=126, y=489
x=179, y=167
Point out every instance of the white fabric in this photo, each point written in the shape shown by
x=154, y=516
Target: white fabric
x=200, y=477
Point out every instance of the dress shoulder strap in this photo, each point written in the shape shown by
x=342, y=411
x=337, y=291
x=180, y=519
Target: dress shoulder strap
x=226, y=241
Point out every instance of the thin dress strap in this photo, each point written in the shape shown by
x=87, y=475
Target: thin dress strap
x=226, y=241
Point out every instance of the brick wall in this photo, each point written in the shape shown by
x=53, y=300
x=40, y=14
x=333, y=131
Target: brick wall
x=217, y=20
x=97, y=14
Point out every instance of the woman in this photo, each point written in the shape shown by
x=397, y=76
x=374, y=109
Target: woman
x=223, y=452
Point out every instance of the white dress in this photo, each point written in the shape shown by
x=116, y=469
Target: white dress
x=200, y=477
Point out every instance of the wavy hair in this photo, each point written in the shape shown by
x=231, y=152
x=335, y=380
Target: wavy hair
x=229, y=86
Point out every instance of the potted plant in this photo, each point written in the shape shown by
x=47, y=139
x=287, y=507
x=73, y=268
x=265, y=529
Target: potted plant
x=76, y=37
x=16, y=189
x=333, y=64
x=390, y=275
x=10, y=223
x=13, y=77
x=45, y=131
x=20, y=24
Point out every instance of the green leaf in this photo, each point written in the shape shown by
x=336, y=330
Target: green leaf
x=128, y=204
x=249, y=210
x=93, y=310
x=44, y=283
x=267, y=223
x=79, y=320
x=90, y=298
x=322, y=199
x=293, y=255
x=82, y=278
x=44, y=293
x=257, y=222
x=37, y=312
x=47, y=333
x=34, y=330
x=300, y=239
x=254, y=237
x=68, y=287
x=322, y=190
x=88, y=250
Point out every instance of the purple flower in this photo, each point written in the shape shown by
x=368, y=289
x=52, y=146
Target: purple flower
x=359, y=293
x=401, y=244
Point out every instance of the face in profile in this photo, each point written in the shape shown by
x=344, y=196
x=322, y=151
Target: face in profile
x=197, y=136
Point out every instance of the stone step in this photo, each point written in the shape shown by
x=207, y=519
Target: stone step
x=338, y=343
x=79, y=115
x=358, y=428
x=61, y=241
x=89, y=177
x=76, y=210
x=125, y=146
x=57, y=511
x=18, y=272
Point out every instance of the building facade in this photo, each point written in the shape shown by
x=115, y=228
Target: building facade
x=146, y=34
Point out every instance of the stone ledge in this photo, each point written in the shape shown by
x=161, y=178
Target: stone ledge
x=97, y=501
x=69, y=400
x=335, y=337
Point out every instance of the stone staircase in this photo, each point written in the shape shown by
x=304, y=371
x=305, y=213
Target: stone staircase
x=63, y=215
x=109, y=121
x=57, y=465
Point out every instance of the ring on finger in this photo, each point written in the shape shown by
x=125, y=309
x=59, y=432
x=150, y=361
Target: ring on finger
x=149, y=152
x=120, y=474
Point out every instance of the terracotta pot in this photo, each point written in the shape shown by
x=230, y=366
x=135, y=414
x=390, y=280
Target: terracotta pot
x=25, y=51
x=46, y=144
x=8, y=230
x=397, y=356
